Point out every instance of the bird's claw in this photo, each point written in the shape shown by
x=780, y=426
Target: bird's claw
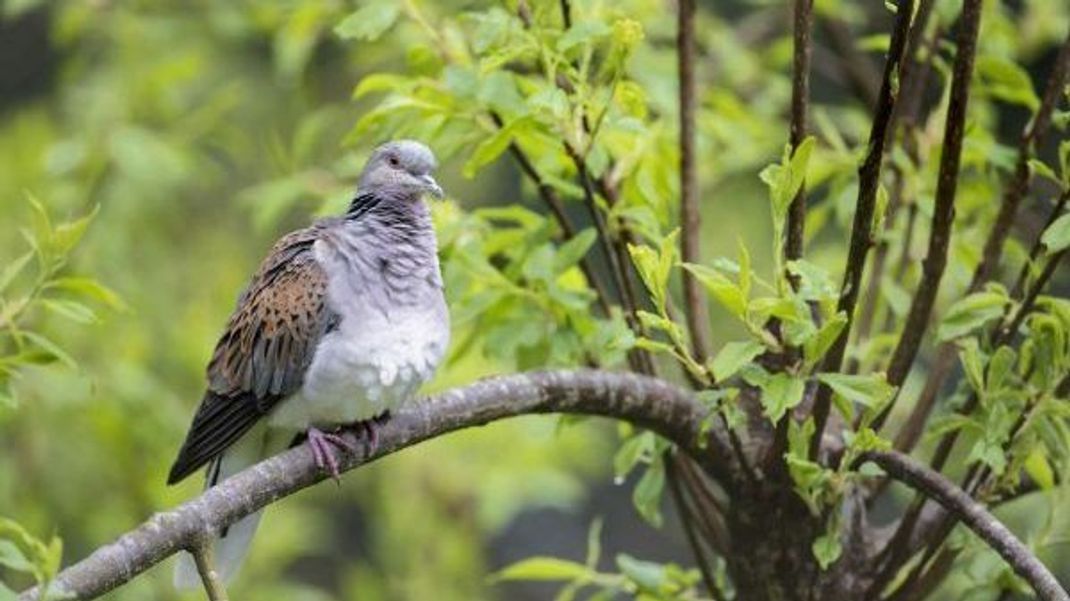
x=370, y=427
x=320, y=443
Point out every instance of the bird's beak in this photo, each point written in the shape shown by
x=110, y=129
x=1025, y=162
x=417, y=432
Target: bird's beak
x=431, y=186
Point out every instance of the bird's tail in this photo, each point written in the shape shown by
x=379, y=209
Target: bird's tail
x=230, y=547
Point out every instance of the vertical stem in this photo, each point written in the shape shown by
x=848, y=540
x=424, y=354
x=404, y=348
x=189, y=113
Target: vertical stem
x=993, y=249
x=800, y=98
x=913, y=77
x=689, y=527
x=695, y=310
x=213, y=584
x=862, y=228
x=944, y=207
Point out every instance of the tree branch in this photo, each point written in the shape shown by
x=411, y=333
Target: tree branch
x=944, y=207
x=800, y=99
x=1019, y=183
x=647, y=402
x=213, y=584
x=862, y=228
x=695, y=310
x=938, y=488
x=1016, y=188
x=1034, y=251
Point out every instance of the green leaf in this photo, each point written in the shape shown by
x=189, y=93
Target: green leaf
x=1064, y=162
x=786, y=178
x=88, y=288
x=370, y=21
x=72, y=310
x=655, y=266
x=971, y=313
x=827, y=548
x=379, y=82
x=1000, y=366
x=781, y=393
x=1039, y=167
x=572, y=251
x=583, y=32
x=594, y=543
x=724, y=291
x=11, y=557
x=7, y=400
x=492, y=147
x=51, y=348
x=870, y=390
x=1007, y=81
x=732, y=357
x=1039, y=469
x=820, y=343
x=12, y=270
x=68, y=235
x=647, y=494
x=647, y=575
x=972, y=364
x=1057, y=236
x=52, y=559
x=543, y=569
x=631, y=452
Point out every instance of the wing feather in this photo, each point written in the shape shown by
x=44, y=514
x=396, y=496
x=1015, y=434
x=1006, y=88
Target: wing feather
x=264, y=352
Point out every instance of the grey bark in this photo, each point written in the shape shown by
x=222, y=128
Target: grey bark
x=654, y=404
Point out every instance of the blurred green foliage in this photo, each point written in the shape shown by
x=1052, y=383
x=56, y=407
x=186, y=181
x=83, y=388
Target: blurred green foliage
x=203, y=131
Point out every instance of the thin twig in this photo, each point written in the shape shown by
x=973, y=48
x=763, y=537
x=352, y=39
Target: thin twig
x=1019, y=184
x=695, y=309
x=993, y=248
x=862, y=228
x=938, y=488
x=203, y=558
x=913, y=78
x=920, y=586
x=689, y=528
x=944, y=206
x=1034, y=251
x=800, y=99
x=553, y=202
x=975, y=476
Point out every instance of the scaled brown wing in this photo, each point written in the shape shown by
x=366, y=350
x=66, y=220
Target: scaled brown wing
x=264, y=353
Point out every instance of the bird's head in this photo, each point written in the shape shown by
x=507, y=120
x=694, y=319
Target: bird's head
x=402, y=168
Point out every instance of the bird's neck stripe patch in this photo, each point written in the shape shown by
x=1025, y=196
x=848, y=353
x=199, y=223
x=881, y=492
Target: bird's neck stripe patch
x=361, y=205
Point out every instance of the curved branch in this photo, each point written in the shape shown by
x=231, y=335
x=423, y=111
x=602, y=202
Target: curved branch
x=654, y=404
x=985, y=525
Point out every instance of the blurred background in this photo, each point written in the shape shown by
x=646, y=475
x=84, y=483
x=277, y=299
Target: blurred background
x=201, y=131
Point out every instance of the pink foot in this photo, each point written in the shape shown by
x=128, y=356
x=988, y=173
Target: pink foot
x=320, y=443
x=370, y=427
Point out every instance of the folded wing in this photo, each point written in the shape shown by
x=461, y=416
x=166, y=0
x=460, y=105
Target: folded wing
x=263, y=355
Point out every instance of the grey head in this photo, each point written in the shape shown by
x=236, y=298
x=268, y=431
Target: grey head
x=401, y=169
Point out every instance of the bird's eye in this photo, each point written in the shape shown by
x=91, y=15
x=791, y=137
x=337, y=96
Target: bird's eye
x=393, y=160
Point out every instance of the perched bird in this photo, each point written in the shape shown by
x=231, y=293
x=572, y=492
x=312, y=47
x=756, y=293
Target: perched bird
x=343, y=321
